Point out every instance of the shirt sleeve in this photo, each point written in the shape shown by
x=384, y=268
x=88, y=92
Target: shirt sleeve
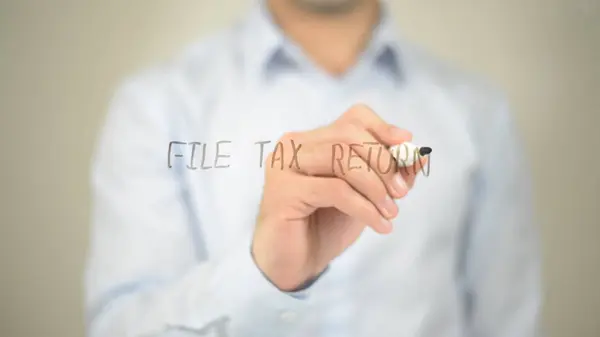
x=502, y=257
x=143, y=277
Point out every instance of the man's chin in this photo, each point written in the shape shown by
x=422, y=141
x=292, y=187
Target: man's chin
x=330, y=7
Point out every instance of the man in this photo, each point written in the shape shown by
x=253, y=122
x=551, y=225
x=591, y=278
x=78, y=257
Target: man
x=221, y=207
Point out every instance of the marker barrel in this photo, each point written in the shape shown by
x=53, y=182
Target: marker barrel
x=407, y=153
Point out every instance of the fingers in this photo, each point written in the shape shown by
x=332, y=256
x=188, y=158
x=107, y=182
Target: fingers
x=363, y=116
x=347, y=150
x=385, y=133
x=410, y=173
x=321, y=192
x=347, y=165
x=358, y=174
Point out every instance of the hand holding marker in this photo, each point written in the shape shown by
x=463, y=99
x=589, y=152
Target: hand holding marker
x=407, y=153
x=300, y=230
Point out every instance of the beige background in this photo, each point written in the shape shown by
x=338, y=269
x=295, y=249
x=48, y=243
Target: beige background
x=60, y=60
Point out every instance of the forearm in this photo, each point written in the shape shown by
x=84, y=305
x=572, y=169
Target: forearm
x=222, y=298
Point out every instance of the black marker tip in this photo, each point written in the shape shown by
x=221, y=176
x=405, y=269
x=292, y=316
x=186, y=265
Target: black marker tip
x=423, y=151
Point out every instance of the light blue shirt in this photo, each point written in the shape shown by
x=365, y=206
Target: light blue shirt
x=170, y=237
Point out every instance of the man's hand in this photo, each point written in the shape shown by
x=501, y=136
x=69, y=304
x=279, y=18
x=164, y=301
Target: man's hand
x=312, y=210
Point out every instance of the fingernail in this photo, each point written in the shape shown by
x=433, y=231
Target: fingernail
x=388, y=207
x=400, y=184
x=386, y=224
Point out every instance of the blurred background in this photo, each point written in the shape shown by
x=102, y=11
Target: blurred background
x=61, y=60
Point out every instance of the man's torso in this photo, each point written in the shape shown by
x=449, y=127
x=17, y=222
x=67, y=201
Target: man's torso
x=405, y=283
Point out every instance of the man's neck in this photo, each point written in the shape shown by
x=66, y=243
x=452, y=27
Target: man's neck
x=333, y=41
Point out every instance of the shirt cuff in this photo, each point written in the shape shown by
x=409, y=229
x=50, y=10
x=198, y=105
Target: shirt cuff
x=240, y=275
x=234, y=287
x=302, y=292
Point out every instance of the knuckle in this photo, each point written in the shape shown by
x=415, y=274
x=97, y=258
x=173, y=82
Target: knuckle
x=389, y=180
x=358, y=109
x=323, y=188
x=341, y=191
x=309, y=160
x=382, y=193
x=290, y=135
x=374, y=187
x=310, y=170
x=313, y=190
x=377, y=189
x=365, y=208
x=348, y=132
x=355, y=112
x=336, y=185
x=368, y=209
x=353, y=127
x=386, y=167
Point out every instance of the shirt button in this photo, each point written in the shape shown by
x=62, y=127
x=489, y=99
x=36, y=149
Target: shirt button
x=288, y=316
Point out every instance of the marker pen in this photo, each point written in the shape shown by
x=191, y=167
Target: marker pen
x=407, y=153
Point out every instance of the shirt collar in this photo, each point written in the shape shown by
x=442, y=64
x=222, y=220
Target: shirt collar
x=265, y=44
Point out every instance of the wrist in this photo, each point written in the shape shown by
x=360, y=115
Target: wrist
x=277, y=278
x=282, y=275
